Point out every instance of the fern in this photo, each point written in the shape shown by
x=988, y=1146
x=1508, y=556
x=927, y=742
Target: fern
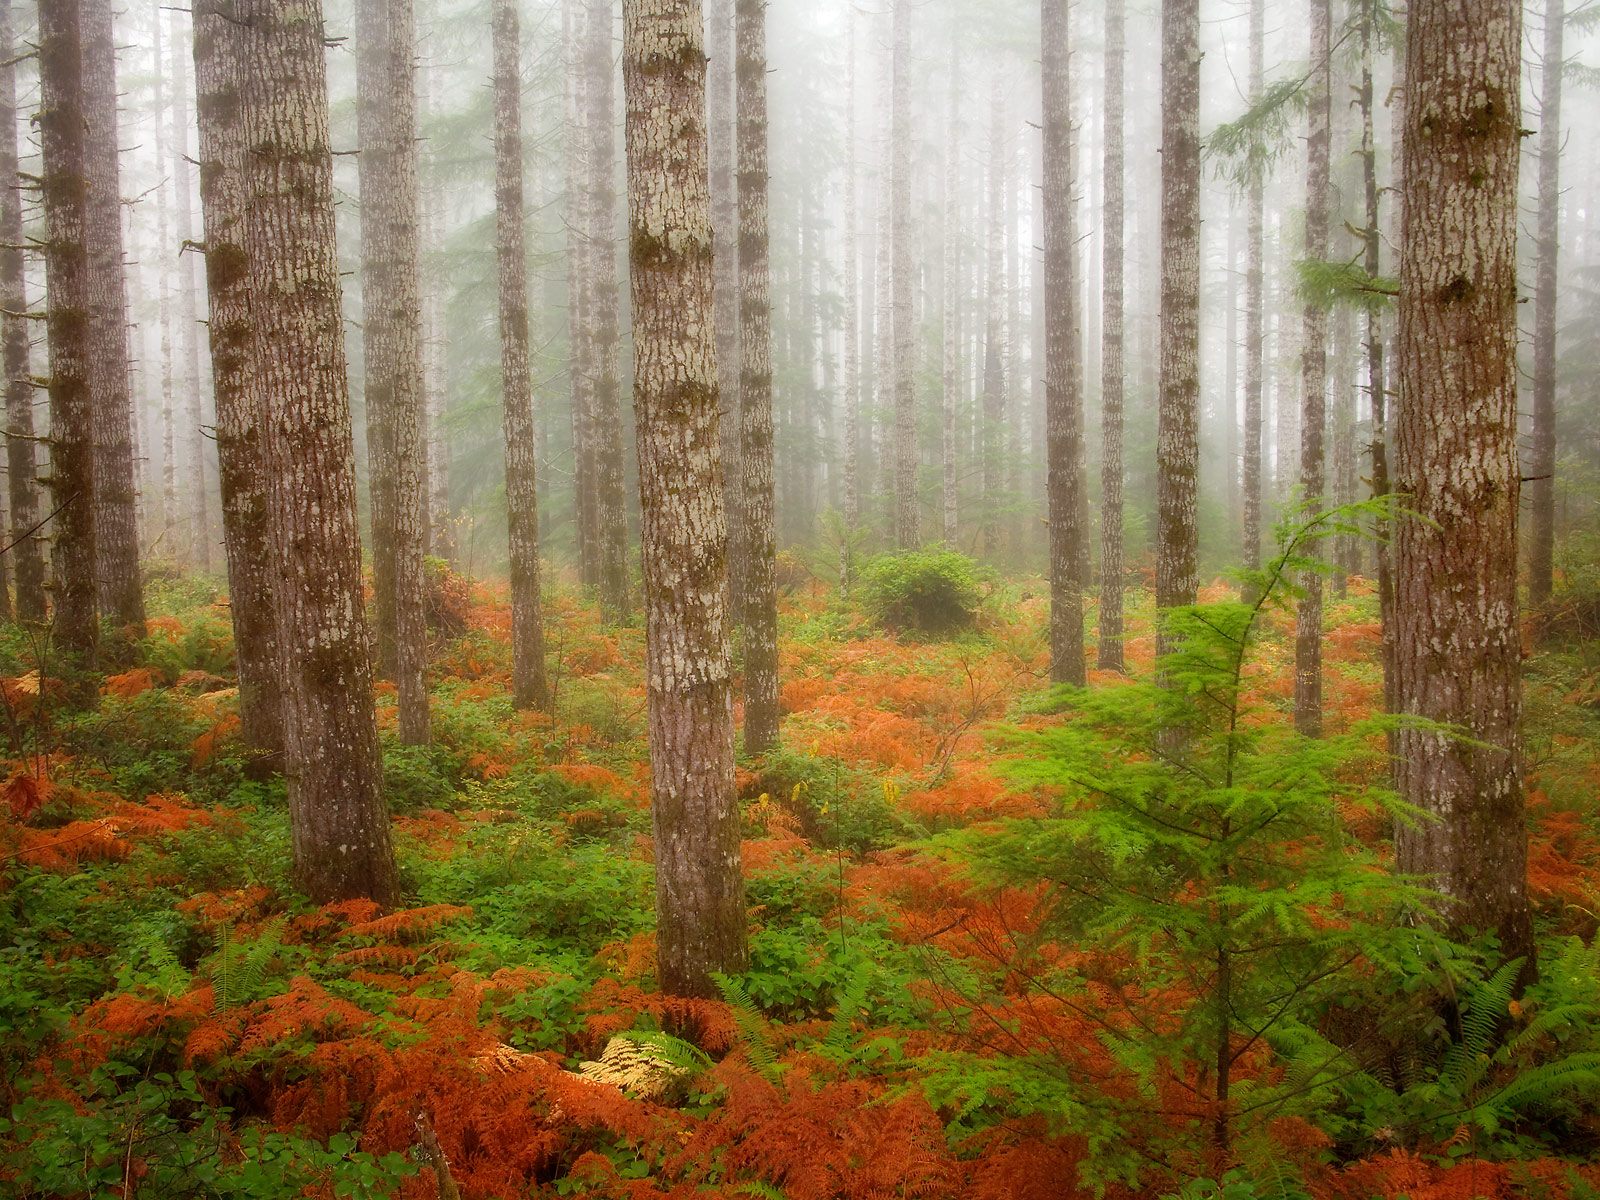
x=238, y=973
x=761, y=1190
x=755, y=1035
x=151, y=962
x=851, y=1004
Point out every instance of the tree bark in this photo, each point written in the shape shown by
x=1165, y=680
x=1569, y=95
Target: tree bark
x=852, y=317
x=219, y=74
x=120, y=595
x=722, y=143
x=1112, y=374
x=699, y=888
x=1541, y=469
x=906, y=534
x=21, y=469
x=169, y=424
x=529, y=688
x=1457, y=647
x=1177, y=436
x=1314, y=374
x=1063, y=354
x=1255, y=309
x=951, y=304
x=338, y=822
x=65, y=190
x=392, y=347
x=758, y=596
x=441, y=518
x=992, y=425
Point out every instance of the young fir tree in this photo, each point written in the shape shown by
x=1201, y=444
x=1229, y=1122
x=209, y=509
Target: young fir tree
x=21, y=470
x=65, y=189
x=758, y=597
x=529, y=688
x=1458, y=654
x=699, y=889
x=219, y=72
x=338, y=821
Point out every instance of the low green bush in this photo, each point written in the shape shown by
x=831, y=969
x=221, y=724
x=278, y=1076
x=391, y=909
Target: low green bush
x=935, y=593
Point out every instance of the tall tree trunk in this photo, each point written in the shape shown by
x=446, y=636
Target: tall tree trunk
x=951, y=302
x=1254, y=308
x=66, y=199
x=1457, y=651
x=906, y=514
x=392, y=347
x=759, y=594
x=1178, y=434
x=1377, y=380
x=441, y=520
x=1314, y=374
x=1063, y=354
x=529, y=688
x=578, y=145
x=722, y=144
x=1541, y=470
x=120, y=595
x=219, y=75
x=610, y=513
x=338, y=822
x=994, y=357
x=1112, y=374
x=169, y=423
x=699, y=889
x=852, y=317
x=21, y=471
x=194, y=410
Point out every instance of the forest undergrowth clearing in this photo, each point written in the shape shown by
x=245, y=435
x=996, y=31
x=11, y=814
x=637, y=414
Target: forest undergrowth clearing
x=175, y=1018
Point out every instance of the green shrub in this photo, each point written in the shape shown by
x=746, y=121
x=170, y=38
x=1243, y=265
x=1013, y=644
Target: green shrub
x=932, y=592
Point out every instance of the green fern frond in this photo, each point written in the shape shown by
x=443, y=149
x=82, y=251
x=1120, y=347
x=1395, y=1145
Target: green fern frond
x=851, y=1003
x=755, y=1035
x=239, y=972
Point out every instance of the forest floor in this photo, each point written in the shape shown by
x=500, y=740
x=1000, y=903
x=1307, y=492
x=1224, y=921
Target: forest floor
x=176, y=1021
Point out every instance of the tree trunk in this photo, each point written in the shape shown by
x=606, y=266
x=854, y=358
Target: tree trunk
x=392, y=347
x=852, y=318
x=441, y=519
x=951, y=302
x=758, y=596
x=906, y=534
x=1063, y=356
x=65, y=189
x=1541, y=470
x=21, y=482
x=699, y=889
x=219, y=74
x=723, y=147
x=1177, y=437
x=578, y=145
x=338, y=822
x=1314, y=375
x=120, y=595
x=610, y=514
x=194, y=412
x=529, y=688
x=169, y=431
x=1457, y=648
x=1112, y=374
x=994, y=356
x=1254, y=309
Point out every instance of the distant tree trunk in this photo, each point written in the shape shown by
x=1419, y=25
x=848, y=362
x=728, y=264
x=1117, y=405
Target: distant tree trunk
x=66, y=198
x=723, y=148
x=1254, y=309
x=1458, y=652
x=338, y=822
x=1177, y=437
x=759, y=594
x=21, y=482
x=852, y=315
x=1541, y=468
x=992, y=424
x=194, y=411
x=1377, y=381
x=441, y=520
x=219, y=74
x=1112, y=374
x=577, y=147
x=169, y=431
x=1314, y=375
x=1063, y=354
x=610, y=511
x=120, y=595
x=951, y=302
x=392, y=347
x=906, y=534
x=699, y=889
x=529, y=688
